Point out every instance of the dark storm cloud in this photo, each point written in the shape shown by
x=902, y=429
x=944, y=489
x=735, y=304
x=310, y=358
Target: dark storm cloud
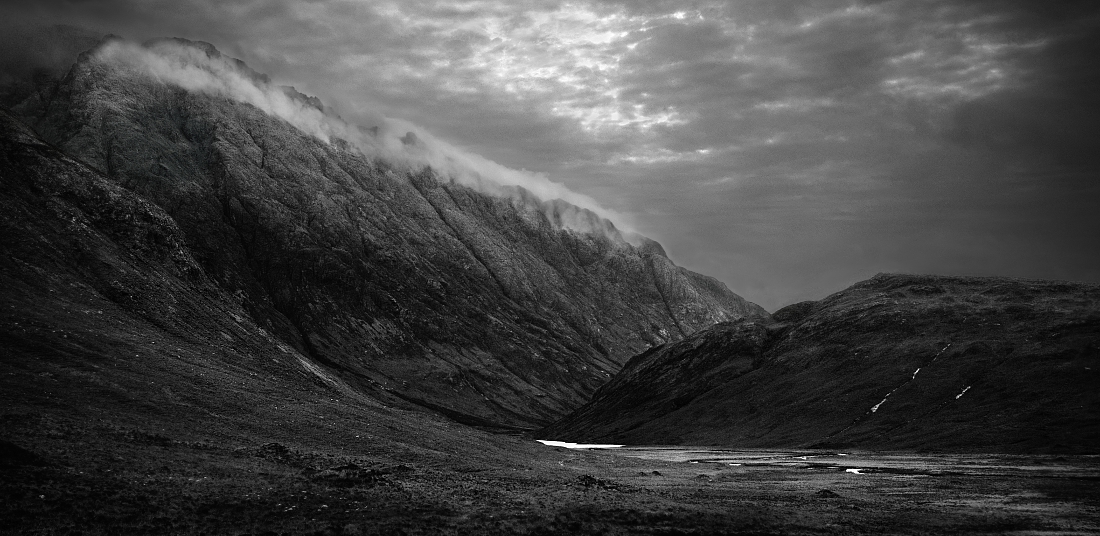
x=787, y=147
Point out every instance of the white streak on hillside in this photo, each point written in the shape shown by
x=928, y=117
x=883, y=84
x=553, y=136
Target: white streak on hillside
x=193, y=69
x=876, y=406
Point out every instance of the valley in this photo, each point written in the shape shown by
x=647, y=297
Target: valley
x=215, y=322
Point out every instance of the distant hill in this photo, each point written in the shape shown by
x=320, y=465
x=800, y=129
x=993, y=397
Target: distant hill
x=406, y=285
x=894, y=362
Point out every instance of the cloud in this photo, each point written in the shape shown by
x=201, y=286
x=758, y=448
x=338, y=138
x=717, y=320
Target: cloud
x=203, y=70
x=419, y=146
x=848, y=121
x=198, y=67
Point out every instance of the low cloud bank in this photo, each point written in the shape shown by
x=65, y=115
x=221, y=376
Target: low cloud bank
x=199, y=67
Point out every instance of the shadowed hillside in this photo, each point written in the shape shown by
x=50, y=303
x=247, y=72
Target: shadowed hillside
x=898, y=361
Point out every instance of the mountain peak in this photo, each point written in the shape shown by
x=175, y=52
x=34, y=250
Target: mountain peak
x=415, y=284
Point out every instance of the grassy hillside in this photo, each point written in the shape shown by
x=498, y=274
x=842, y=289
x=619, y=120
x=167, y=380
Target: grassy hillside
x=898, y=361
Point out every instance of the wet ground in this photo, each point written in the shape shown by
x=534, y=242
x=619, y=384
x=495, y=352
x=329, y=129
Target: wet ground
x=860, y=491
x=863, y=462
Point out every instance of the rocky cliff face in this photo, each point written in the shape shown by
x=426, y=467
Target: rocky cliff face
x=898, y=361
x=401, y=283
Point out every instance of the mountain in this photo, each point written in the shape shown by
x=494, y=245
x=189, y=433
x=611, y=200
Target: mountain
x=405, y=284
x=894, y=362
x=109, y=321
x=138, y=397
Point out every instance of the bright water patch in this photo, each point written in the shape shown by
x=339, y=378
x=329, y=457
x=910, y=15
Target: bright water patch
x=569, y=445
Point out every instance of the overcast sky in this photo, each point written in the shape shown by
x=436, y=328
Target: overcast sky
x=787, y=148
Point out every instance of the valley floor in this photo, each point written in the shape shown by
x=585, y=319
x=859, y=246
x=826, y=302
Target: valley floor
x=61, y=476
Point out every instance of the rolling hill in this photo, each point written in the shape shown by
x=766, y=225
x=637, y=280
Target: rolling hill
x=895, y=362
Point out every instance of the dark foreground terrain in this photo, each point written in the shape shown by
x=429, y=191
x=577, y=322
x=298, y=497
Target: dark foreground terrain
x=112, y=476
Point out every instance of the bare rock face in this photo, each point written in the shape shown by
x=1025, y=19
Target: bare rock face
x=401, y=283
x=895, y=362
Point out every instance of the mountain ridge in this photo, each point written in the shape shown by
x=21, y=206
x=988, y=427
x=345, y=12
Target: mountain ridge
x=396, y=280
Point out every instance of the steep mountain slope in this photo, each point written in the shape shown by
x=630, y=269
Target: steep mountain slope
x=898, y=361
x=107, y=318
x=403, y=282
